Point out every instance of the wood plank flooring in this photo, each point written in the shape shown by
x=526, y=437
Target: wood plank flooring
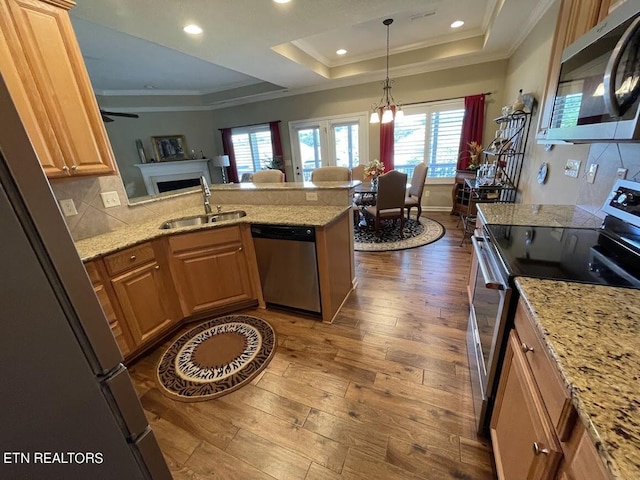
x=382, y=393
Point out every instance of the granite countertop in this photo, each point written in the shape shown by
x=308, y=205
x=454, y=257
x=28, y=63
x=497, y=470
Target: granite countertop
x=100, y=245
x=533, y=214
x=592, y=332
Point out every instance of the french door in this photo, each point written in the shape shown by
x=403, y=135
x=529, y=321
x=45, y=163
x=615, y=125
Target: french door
x=334, y=141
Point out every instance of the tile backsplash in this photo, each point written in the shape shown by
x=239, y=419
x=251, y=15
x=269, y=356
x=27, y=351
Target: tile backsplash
x=609, y=157
x=94, y=219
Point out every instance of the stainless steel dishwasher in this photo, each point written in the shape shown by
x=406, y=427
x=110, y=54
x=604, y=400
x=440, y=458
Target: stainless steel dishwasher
x=288, y=266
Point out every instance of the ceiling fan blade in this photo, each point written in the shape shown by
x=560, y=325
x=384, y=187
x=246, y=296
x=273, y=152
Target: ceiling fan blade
x=104, y=113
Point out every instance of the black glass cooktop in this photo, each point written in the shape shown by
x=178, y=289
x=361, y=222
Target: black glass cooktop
x=573, y=254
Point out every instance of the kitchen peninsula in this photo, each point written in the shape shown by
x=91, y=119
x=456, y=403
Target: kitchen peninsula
x=150, y=279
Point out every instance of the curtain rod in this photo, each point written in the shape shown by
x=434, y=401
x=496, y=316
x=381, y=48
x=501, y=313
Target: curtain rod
x=251, y=124
x=438, y=100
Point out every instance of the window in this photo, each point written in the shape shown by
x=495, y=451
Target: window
x=327, y=141
x=310, y=151
x=252, y=148
x=431, y=134
x=346, y=145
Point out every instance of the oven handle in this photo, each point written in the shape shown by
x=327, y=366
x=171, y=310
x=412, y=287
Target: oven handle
x=485, y=269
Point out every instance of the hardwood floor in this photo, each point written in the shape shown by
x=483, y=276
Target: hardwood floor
x=382, y=393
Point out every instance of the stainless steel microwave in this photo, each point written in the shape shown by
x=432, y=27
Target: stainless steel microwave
x=597, y=99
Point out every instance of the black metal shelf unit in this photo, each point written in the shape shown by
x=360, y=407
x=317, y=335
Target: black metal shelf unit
x=509, y=148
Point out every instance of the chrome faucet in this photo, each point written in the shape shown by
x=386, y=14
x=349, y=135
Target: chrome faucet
x=206, y=193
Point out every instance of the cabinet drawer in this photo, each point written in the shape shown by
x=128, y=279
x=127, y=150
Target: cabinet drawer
x=554, y=394
x=129, y=258
x=207, y=238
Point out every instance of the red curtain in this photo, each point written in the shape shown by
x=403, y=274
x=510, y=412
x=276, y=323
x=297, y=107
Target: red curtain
x=227, y=147
x=386, y=144
x=276, y=143
x=472, y=128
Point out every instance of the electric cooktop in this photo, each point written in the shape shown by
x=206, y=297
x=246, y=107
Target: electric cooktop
x=573, y=254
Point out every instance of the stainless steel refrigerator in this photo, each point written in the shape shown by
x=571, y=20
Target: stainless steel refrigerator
x=68, y=409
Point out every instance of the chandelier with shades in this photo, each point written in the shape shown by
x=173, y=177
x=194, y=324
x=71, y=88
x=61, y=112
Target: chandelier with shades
x=387, y=105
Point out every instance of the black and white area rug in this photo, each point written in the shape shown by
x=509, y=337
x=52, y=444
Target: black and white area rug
x=416, y=234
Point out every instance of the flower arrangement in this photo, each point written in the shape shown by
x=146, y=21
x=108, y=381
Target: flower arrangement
x=475, y=149
x=374, y=169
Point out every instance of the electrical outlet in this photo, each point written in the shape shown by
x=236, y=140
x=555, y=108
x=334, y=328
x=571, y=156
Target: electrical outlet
x=312, y=196
x=621, y=173
x=110, y=199
x=591, y=174
x=572, y=168
x=68, y=207
x=427, y=193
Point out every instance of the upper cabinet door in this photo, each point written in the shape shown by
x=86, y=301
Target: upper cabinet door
x=46, y=76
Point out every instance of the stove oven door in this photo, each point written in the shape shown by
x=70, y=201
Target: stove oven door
x=489, y=302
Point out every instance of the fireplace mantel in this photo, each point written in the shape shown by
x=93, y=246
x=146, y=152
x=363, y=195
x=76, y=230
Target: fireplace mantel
x=154, y=173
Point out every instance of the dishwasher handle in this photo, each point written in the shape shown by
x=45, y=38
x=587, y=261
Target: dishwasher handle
x=284, y=232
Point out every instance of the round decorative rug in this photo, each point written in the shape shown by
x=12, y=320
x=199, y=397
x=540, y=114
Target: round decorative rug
x=216, y=358
x=416, y=234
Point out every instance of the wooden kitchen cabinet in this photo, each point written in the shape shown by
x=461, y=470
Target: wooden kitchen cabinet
x=535, y=429
x=524, y=443
x=211, y=269
x=581, y=460
x=120, y=331
x=576, y=17
x=46, y=76
x=142, y=285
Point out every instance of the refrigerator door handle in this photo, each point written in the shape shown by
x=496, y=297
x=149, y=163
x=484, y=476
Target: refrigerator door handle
x=124, y=402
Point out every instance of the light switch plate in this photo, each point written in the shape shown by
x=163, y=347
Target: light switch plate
x=621, y=173
x=312, y=196
x=572, y=168
x=110, y=199
x=68, y=207
x=591, y=174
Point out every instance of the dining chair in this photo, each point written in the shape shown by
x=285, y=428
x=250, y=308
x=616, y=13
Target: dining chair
x=268, y=176
x=357, y=172
x=389, y=205
x=331, y=174
x=414, y=195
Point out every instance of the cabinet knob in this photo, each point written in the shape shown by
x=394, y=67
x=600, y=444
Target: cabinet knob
x=157, y=267
x=239, y=249
x=537, y=449
x=65, y=169
x=526, y=348
x=74, y=167
x=132, y=258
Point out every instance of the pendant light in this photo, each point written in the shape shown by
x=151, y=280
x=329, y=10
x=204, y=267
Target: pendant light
x=390, y=110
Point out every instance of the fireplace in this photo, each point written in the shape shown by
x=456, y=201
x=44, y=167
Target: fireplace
x=166, y=176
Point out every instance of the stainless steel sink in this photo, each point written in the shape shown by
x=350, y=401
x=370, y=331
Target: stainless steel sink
x=203, y=219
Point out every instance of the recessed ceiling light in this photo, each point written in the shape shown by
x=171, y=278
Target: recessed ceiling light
x=341, y=51
x=457, y=24
x=192, y=29
x=282, y=1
